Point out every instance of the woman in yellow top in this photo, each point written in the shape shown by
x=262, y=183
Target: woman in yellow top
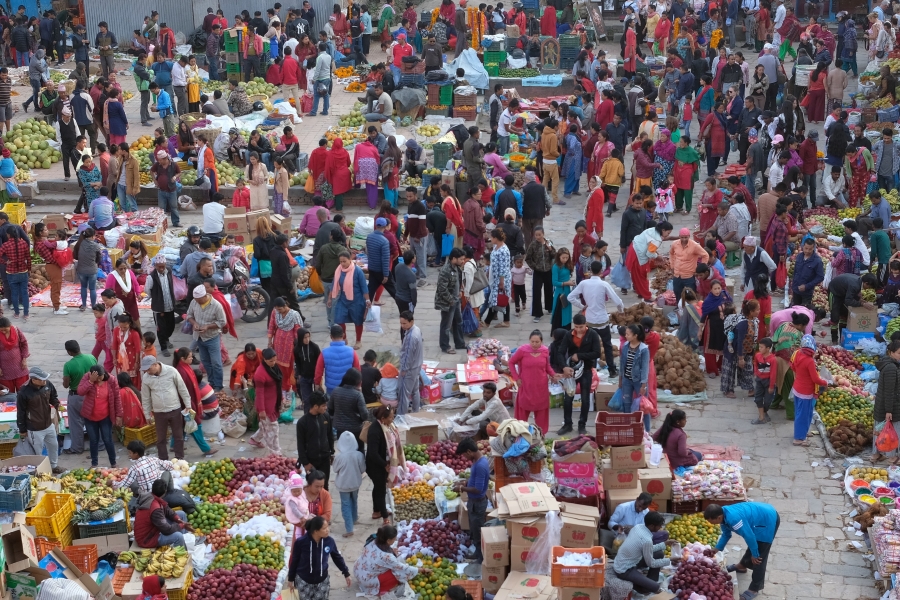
x=192, y=74
x=612, y=174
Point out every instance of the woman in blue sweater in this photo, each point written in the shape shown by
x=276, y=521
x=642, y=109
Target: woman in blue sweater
x=308, y=569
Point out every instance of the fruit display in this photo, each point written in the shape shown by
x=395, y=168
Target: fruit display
x=431, y=171
x=866, y=519
x=842, y=357
x=209, y=86
x=256, y=470
x=218, y=539
x=208, y=516
x=445, y=452
x=244, y=581
x=166, y=561
x=868, y=295
x=524, y=72
x=414, y=501
x=189, y=177
x=694, y=528
x=634, y=314
x=258, y=86
x=442, y=538
x=433, y=474
x=29, y=145
x=432, y=586
x=849, y=438
x=145, y=142
x=126, y=96
x=24, y=175
x=97, y=508
x=836, y=404
x=843, y=377
x=416, y=453
x=250, y=550
x=350, y=136
x=882, y=103
x=892, y=326
x=869, y=474
x=427, y=130
x=412, y=181
x=211, y=478
x=414, y=491
x=300, y=178
x=143, y=158
x=354, y=119
x=699, y=574
x=677, y=368
x=228, y=173
x=241, y=512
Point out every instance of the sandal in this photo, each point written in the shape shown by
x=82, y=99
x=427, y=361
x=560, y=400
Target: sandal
x=803, y=443
x=876, y=457
x=736, y=568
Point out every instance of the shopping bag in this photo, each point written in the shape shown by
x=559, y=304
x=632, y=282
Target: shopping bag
x=254, y=267
x=447, y=241
x=620, y=277
x=373, y=320
x=469, y=320
x=887, y=440
x=615, y=403
x=315, y=283
x=13, y=190
x=287, y=412
x=250, y=412
x=265, y=268
x=781, y=275
x=310, y=185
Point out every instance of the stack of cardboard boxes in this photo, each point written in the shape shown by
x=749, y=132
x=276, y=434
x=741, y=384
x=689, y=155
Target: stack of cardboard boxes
x=627, y=473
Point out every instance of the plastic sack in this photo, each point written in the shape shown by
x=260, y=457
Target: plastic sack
x=568, y=385
x=13, y=190
x=363, y=226
x=25, y=447
x=104, y=570
x=616, y=403
x=200, y=561
x=620, y=277
x=235, y=425
x=447, y=241
x=781, y=275
x=469, y=320
x=518, y=448
x=887, y=440
x=287, y=415
x=190, y=541
x=186, y=203
x=190, y=423
x=620, y=539
x=61, y=589
x=373, y=320
x=187, y=328
x=538, y=562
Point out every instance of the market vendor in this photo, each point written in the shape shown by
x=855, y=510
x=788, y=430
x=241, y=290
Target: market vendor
x=476, y=488
x=144, y=470
x=639, y=552
x=844, y=292
x=757, y=523
x=308, y=566
x=629, y=514
x=786, y=336
x=155, y=523
x=379, y=570
x=672, y=438
x=489, y=408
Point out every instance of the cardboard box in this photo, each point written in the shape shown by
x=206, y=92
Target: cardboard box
x=517, y=557
x=628, y=457
x=56, y=222
x=656, y=482
x=492, y=578
x=106, y=543
x=862, y=319
x=24, y=585
x=375, y=124
x=281, y=223
x=495, y=546
x=524, y=531
x=616, y=497
x=662, y=596
x=59, y=562
x=422, y=434
x=529, y=498
x=235, y=220
x=577, y=532
x=430, y=394
x=242, y=238
x=582, y=511
x=41, y=464
x=578, y=593
x=18, y=545
x=253, y=216
x=449, y=385
x=603, y=394
x=521, y=585
x=133, y=587
x=618, y=479
x=729, y=285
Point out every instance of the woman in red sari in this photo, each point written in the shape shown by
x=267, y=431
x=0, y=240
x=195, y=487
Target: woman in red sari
x=593, y=211
x=337, y=173
x=182, y=363
x=714, y=131
x=601, y=152
x=763, y=25
x=304, y=50
x=861, y=168
x=815, y=95
x=661, y=35
x=126, y=347
x=709, y=203
x=316, y=165
x=630, y=53
x=548, y=22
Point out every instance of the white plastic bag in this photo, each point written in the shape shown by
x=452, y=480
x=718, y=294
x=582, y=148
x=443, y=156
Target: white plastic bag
x=186, y=203
x=538, y=562
x=199, y=559
x=364, y=226
x=373, y=320
x=61, y=589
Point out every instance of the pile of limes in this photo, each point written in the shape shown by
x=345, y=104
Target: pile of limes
x=208, y=516
x=837, y=404
x=210, y=478
x=694, y=528
x=416, y=453
x=432, y=586
x=250, y=550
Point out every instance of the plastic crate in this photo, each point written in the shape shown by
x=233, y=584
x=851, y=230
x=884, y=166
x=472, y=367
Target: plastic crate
x=43, y=546
x=502, y=477
x=465, y=112
x=465, y=100
x=233, y=69
x=233, y=57
x=52, y=515
x=888, y=115
x=416, y=68
x=691, y=507
x=494, y=57
x=120, y=578
x=442, y=153
x=443, y=111
x=16, y=212
x=471, y=586
x=6, y=449
x=18, y=492
x=492, y=70
x=590, y=576
x=89, y=530
x=620, y=429
x=84, y=557
x=145, y=434
x=570, y=41
x=182, y=592
x=412, y=80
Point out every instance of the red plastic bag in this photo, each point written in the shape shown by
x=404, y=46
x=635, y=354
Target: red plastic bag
x=887, y=440
x=781, y=275
x=63, y=258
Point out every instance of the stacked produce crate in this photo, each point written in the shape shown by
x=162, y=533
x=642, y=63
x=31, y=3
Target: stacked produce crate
x=232, y=53
x=52, y=518
x=493, y=60
x=412, y=74
x=569, y=46
x=464, y=106
x=438, y=99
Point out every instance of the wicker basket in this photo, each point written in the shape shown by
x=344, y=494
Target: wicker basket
x=194, y=116
x=257, y=98
x=211, y=133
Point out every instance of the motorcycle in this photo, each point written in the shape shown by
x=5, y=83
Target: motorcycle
x=233, y=277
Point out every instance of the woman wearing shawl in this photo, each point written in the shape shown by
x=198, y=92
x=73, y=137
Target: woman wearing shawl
x=267, y=382
x=690, y=324
x=733, y=107
x=601, y=152
x=718, y=68
x=219, y=297
x=14, y=355
x=686, y=171
x=705, y=100
x=384, y=457
x=453, y=210
x=714, y=131
x=847, y=259
x=848, y=53
x=283, y=326
x=664, y=153
x=183, y=362
x=763, y=24
x=337, y=173
x=790, y=33
x=593, y=210
x=81, y=74
x=737, y=361
x=126, y=347
x=571, y=167
x=713, y=315
x=153, y=588
x=548, y=22
x=349, y=296
x=390, y=171
x=661, y=35
x=114, y=119
x=786, y=339
x=859, y=164
x=530, y=365
x=366, y=166
x=316, y=165
x=385, y=20
x=124, y=285
x=807, y=382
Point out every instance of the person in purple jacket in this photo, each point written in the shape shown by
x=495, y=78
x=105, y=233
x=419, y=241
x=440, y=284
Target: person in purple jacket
x=672, y=438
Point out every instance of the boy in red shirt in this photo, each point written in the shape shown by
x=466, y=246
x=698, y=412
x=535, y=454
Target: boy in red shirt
x=241, y=197
x=765, y=367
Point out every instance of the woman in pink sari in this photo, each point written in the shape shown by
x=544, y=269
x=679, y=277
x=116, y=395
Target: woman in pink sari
x=601, y=152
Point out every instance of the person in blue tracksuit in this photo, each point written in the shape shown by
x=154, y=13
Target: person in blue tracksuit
x=757, y=523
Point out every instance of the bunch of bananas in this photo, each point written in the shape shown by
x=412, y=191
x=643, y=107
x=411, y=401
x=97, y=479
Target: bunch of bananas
x=70, y=485
x=166, y=561
x=88, y=515
x=96, y=501
x=39, y=483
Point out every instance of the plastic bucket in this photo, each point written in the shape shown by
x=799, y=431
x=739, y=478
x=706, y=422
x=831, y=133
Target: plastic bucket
x=867, y=499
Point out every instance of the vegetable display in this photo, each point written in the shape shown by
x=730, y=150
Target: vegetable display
x=677, y=368
x=699, y=573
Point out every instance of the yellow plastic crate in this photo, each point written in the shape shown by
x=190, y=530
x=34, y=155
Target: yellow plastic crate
x=52, y=516
x=182, y=592
x=145, y=434
x=16, y=212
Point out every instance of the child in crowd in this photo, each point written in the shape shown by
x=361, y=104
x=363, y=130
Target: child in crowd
x=348, y=468
x=388, y=385
x=717, y=244
x=371, y=375
x=665, y=199
x=583, y=266
x=765, y=366
x=612, y=174
x=489, y=225
x=892, y=287
x=687, y=114
x=99, y=330
x=148, y=349
x=241, y=197
x=600, y=254
x=519, y=270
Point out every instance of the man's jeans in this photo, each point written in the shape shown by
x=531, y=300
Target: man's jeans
x=212, y=66
x=396, y=72
x=451, y=320
x=375, y=117
x=265, y=158
x=211, y=357
x=173, y=539
x=18, y=283
x=88, y=282
x=329, y=312
x=420, y=247
x=168, y=201
x=46, y=438
x=251, y=63
x=502, y=146
x=145, y=107
x=76, y=423
x=885, y=183
x=585, y=381
x=349, y=508
x=477, y=508
x=22, y=59
x=128, y=203
x=316, y=97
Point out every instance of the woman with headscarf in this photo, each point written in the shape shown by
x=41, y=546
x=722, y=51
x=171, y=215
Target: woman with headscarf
x=123, y=282
x=366, y=167
x=807, y=381
x=714, y=131
x=81, y=74
x=390, y=171
x=337, y=173
x=571, y=167
x=713, y=314
x=306, y=354
x=153, y=588
x=848, y=53
x=548, y=22
x=114, y=118
x=316, y=165
x=860, y=165
x=664, y=156
x=267, y=381
x=283, y=326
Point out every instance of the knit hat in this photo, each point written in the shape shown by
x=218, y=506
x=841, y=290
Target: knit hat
x=684, y=231
x=750, y=240
x=200, y=291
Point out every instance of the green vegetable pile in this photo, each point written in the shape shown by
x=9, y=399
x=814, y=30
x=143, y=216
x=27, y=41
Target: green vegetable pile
x=892, y=326
x=526, y=72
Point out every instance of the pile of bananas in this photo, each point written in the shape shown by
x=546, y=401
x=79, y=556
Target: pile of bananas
x=99, y=508
x=167, y=561
x=881, y=103
x=40, y=483
x=70, y=485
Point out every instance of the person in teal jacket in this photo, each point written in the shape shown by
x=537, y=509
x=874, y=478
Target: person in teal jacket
x=563, y=276
x=757, y=523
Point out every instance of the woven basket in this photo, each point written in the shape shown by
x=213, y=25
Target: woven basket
x=194, y=116
x=257, y=98
x=211, y=133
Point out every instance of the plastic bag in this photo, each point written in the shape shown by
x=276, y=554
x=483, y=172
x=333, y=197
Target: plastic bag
x=620, y=277
x=180, y=286
x=538, y=562
x=620, y=539
x=190, y=424
x=469, y=320
x=887, y=440
x=568, y=385
x=187, y=328
x=287, y=415
x=25, y=447
x=373, y=320
x=781, y=275
x=186, y=203
x=199, y=559
x=616, y=403
x=235, y=425
x=252, y=422
x=447, y=241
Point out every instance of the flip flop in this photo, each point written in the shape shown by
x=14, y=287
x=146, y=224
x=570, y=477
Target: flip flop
x=736, y=568
x=803, y=443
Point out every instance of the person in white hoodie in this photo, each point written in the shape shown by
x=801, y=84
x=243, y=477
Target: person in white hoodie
x=348, y=468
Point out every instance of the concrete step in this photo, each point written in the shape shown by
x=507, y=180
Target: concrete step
x=55, y=201
x=58, y=185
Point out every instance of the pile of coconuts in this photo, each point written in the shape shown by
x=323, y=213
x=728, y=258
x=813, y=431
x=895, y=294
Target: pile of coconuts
x=678, y=368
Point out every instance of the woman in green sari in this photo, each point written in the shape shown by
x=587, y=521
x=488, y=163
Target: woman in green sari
x=385, y=19
x=786, y=340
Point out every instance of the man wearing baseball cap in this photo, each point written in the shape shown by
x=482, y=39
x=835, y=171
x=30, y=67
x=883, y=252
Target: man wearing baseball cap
x=684, y=256
x=378, y=250
x=208, y=319
x=35, y=403
x=167, y=174
x=163, y=393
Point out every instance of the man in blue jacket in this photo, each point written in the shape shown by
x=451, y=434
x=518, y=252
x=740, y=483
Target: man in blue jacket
x=757, y=523
x=378, y=251
x=808, y=273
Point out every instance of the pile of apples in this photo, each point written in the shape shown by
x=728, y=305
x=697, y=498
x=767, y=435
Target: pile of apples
x=445, y=452
x=246, y=468
x=842, y=357
x=443, y=538
x=241, y=512
x=843, y=377
x=218, y=539
x=259, y=488
x=244, y=581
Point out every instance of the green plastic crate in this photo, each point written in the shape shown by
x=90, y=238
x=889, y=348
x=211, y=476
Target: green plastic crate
x=233, y=69
x=231, y=45
x=494, y=57
x=492, y=70
x=446, y=96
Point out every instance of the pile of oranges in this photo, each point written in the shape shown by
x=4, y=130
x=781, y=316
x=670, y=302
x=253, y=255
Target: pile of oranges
x=415, y=491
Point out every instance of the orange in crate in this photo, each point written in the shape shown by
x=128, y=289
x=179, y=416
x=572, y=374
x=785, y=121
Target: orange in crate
x=590, y=576
x=84, y=557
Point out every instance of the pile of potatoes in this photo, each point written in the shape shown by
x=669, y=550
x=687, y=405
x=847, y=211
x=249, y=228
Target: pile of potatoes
x=635, y=312
x=678, y=368
x=38, y=277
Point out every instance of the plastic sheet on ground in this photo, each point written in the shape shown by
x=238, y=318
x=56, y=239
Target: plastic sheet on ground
x=468, y=61
x=444, y=123
x=670, y=398
x=405, y=422
x=409, y=98
x=444, y=506
x=538, y=562
x=251, y=121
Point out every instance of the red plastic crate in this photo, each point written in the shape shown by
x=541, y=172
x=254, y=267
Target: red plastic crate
x=84, y=557
x=502, y=477
x=120, y=578
x=620, y=429
x=590, y=576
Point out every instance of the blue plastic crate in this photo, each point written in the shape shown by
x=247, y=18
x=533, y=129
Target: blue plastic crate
x=849, y=339
x=17, y=492
x=411, y=80
x=531, y=4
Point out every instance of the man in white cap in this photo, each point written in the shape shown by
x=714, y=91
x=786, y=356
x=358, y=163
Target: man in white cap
x=35, y=403
x=68, y=133
x=161, y=289
x=208, y=319
x=167, y=174
x=755, y=262
x=163, y=392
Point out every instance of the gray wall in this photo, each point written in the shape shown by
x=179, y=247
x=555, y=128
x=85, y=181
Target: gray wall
x=123, y=18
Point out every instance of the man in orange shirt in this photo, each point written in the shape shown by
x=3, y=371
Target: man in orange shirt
x=683, y=257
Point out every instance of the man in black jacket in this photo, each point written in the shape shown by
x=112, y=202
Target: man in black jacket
x=634, y=221
x=748, y=119
x=315, y=437
x=838, y=138
x=496, y=104
x=535, y=206
x=845, y=292
x=583, y=347
x=506, y=198
x=282, y=280
x=436, y=222
x=161, y=290
x=35, y=403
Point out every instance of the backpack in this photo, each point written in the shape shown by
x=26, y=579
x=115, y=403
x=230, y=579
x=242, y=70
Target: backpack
x=133, y=411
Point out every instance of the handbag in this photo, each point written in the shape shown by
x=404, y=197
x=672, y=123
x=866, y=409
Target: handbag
x=203, y=182
x=364, y=432
x=265, y=268
x=479, y=281
x=563, y=301
x=310, y=185
x=469, y=320
x=502, y=300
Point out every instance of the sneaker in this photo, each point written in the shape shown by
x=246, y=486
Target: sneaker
x=564, y=430
x=582, y=430
x=758, y=422
x=167, y=353
x=310, y=114
x=536, y=320
x=82, y=308
x=57, y=470
x=61, y=311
